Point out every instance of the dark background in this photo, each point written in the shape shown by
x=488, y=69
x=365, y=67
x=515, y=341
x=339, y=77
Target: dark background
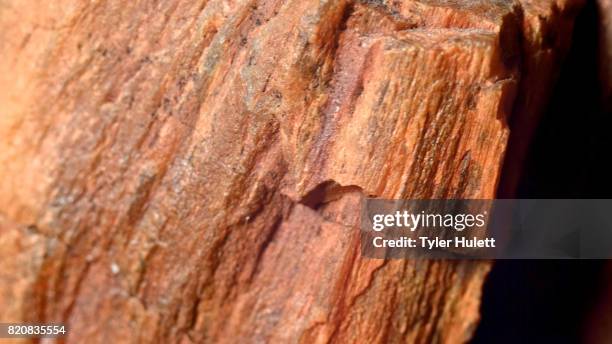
x=550, y=301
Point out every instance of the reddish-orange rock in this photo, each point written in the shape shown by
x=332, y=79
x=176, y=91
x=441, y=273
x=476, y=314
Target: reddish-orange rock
x=192, y=171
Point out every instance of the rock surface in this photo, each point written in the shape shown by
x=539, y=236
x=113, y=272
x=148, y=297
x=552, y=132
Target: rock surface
x=192, y=171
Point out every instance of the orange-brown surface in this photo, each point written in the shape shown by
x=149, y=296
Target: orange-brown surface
x=192, y=171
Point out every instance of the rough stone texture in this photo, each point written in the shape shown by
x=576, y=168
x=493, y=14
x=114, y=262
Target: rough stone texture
x=192, y=171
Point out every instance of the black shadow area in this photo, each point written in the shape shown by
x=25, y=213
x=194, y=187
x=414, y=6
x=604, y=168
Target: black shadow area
x=538, y=301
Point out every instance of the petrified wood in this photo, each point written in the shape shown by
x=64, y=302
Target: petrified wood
x=192, y=171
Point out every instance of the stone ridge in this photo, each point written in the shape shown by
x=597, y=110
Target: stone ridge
x=184, y=171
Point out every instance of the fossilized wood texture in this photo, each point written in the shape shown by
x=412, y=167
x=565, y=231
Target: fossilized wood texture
x=184, y=170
